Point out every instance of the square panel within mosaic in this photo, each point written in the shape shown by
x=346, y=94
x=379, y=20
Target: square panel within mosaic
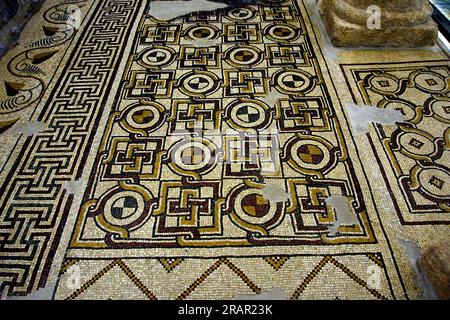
x=414, y=155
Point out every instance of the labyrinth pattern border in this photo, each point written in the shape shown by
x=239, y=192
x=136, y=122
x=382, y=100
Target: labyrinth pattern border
x=30, y=235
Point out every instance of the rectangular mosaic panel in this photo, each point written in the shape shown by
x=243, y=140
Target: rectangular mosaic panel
x=414, y=155
x=209, y=117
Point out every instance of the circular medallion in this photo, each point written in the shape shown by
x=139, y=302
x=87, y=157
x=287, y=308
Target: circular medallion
x=430, y=82
x=156, y=56
x=124, y=208
x=281, y=32
x=248, y=114
x=192, y=156
x=416, y=144
x=309, y=156
x=441, y=109
x=251, y=206
x=293, y=81
x=241, y=14
x=435, y=181
x=196, y=155
x=199, y=83
x=407, y=110
x=202, y=32
x=243, y=56
x=145, y=116
x=384, y=84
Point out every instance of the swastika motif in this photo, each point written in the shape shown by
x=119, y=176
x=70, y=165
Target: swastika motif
x=160, y=34
x=246, y=83
x=199, y=57
x=245, y=32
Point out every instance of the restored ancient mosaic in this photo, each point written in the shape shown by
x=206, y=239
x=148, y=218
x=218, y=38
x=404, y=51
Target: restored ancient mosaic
x=210, y=157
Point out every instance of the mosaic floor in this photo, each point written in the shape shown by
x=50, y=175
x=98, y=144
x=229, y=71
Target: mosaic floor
x=212, y=156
